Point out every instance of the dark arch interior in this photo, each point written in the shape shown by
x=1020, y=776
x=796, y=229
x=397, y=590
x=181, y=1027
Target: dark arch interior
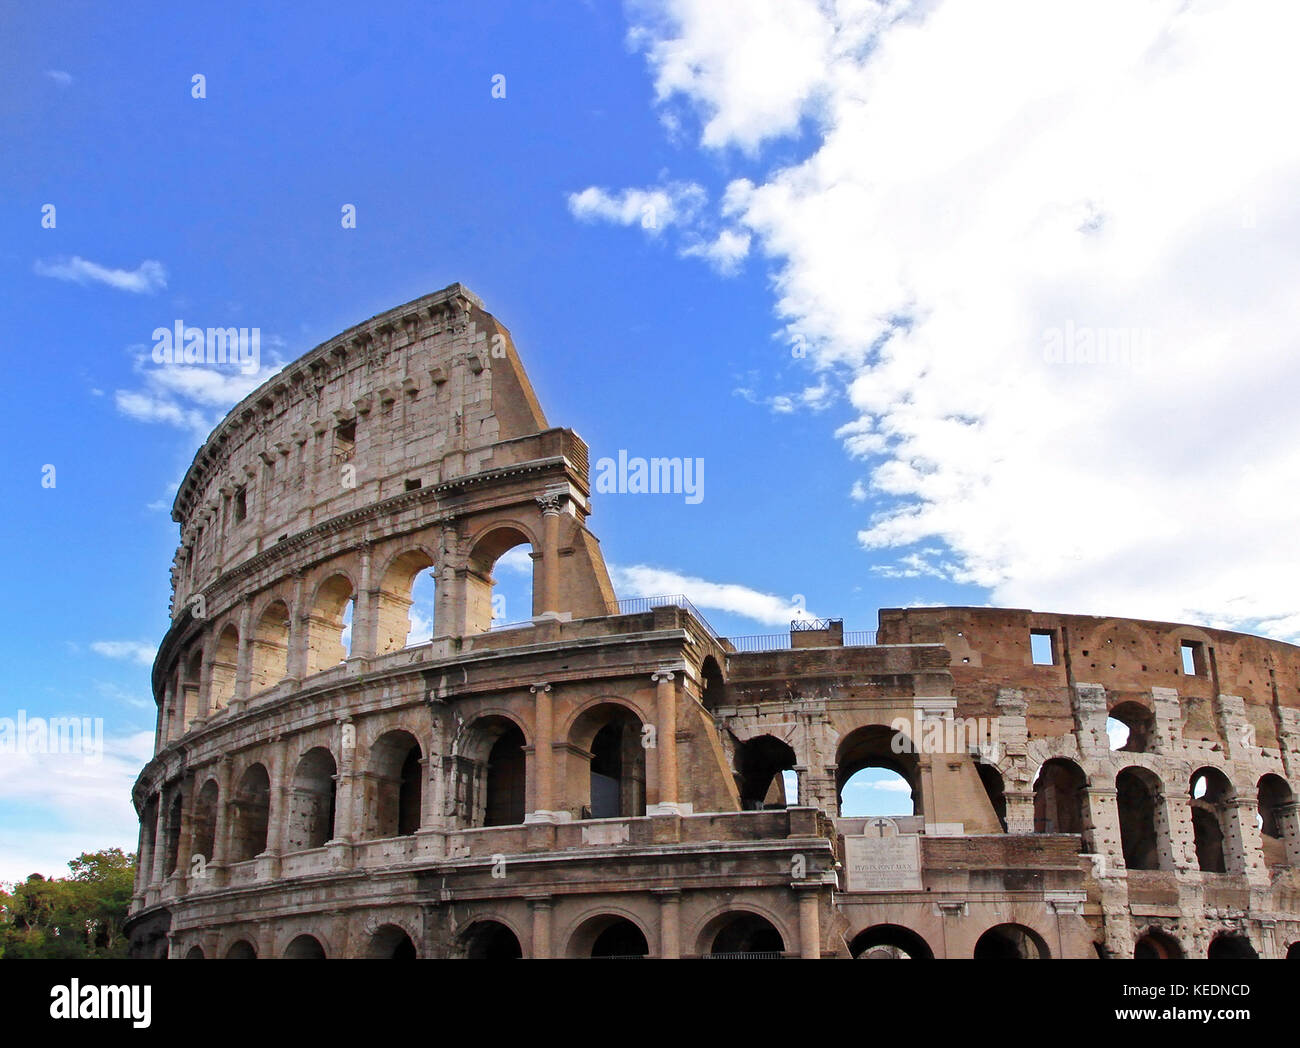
x=747, y=935
x=505, y=779
x=251, y=810
x=392, y=943
x=1140, y=723
x=1136, y=797
x=617, y=768
x=1010, y=942
x=241, y=951
x=491, y=941
x=621, y=938
x=1058, y=797
x=890, y=942
x=714, y=687
x=1232, y=947
x=305, y=948
x=759, y=764
x=1156, y=946
x=991, y=779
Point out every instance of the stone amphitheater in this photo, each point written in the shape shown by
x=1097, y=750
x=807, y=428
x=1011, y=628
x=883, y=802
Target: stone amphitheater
x=612, y=778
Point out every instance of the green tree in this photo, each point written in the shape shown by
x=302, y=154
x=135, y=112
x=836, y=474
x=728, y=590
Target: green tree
x=75, y=917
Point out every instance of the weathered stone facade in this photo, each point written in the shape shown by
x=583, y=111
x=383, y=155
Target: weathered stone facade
x=606, y=779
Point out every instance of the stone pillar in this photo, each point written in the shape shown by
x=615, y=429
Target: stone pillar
x=809, y=922
x=1090, y=713
x=666, y=744
x=221, y=830
x=1101, y=836
x=157, y=873
x=1167, y=734
x=542, y=928
x=1175, y=836
x=205, y=688
x=278, y=817
x=244, y=661
x=548, y=592
x=670, y=923
x=1243, y=844
x=1287, y=817
x=299, y=629
x=1237, y=732
x=345, y=782
x=543, y=769
x=1012, y=741
x=186, y=830
x=144, y=858
x=365, y=612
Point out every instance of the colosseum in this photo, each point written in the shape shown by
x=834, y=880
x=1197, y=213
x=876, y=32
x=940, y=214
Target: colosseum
x=611, y=778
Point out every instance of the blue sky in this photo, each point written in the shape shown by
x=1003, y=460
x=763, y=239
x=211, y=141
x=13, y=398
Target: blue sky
x=768, y=235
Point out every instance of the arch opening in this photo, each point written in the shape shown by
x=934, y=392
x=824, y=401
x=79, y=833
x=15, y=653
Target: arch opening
x=1157, y=945
x=406, y=602
x=390, y=942
x=241, y=950
x=1231, y=946
x=490, y=941
x=891, y=942
x=876, y=769
x=329, y=629
x=250, y=814
x=760, y=763
x=305, y=948
x=609, y=936
x=270, y=655
x=500, y=581
x=747, y=936
x=312, y=806
x=205, y=821
x=1143, y=827
x=1011, y=942
x=607, y=740
x=1059, y=794
x=225, y=658
x=1130, y=727
x=1213, y=830
x=714, y=691
x=394, y=787
x=1278, y=824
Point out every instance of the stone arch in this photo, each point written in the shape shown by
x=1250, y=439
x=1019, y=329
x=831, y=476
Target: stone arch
x=607, y=762
x=270, y=655
x=1279, y=826
x=1011, y=942
x=740, y=932
x=1156, y=944
x=713, y=684
x=1143, y=819
x=241, y=950
x=1293, y=951
x=609, y=933
x=995, y=788
x=395, y=599
x=1214, y=829
x=491, y=770
x=486, y=548
x=304, y=948
x=204, y=819
x=394, y=785
x=890, y=942
x=326, y=622
x=490, y=940
x=874, y=746
x=194, y=953
x=250, y=810
x=1232, y=946
x=225, y=661
x=1059, y=795
x=759, y=764
x=1140, y=722
x=312, y=801
x=191, y=675
x=391, y=942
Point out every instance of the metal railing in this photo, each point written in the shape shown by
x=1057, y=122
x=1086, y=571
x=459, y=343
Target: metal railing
x=636, y=605
x=761, y=642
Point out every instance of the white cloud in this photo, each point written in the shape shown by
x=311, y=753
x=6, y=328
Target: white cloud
x=148, y=277
x=143, y=654
x=79, y=805
x=193, y=397
x=640, y=580
x=988, y=183
x=60, y=77
x=725, y=252
x=653, y=209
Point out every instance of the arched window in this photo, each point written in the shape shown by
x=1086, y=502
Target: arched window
x=873, y=777
x=1157, y=945
x=395, y=785
x=490, y=941
x=760, y=763
x=390, y=942
x=609, y=936
x=1278, y=827
x=1143, y=824
x=250, y=814
x=1059, y=797
x=242, y=950
x=890, y=942
x=329, y=630
x=173, y=839
x=1131, y=727
x=270, y=656
x=311, y=810
x=224, y=661
x=1231, y=946
x=714, y=687
x=406, y=603
x=746, y=936
x=504, y=556
x=205, y=821
x=305, y=948
x=1213, y=823
x=1011, y=942
x=616, y=769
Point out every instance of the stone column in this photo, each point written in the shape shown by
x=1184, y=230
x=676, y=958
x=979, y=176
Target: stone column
x=548, y=593
x=1287, y=817
x=809, y=921
x=158, y=873
x=543, y=769
x=244, y=661
x=365, y=612
x=299, y=630
x=542, y=928
x=186, y=831
x=1175, y=836
x=1090, y=714
x=1243, y=844
x=344, y=803
x=670, y=923
x=666, y=744
x=216, y=867
x=278, y=817
x=1167, y=735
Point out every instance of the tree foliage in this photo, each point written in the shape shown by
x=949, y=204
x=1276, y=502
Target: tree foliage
x=74, y=917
